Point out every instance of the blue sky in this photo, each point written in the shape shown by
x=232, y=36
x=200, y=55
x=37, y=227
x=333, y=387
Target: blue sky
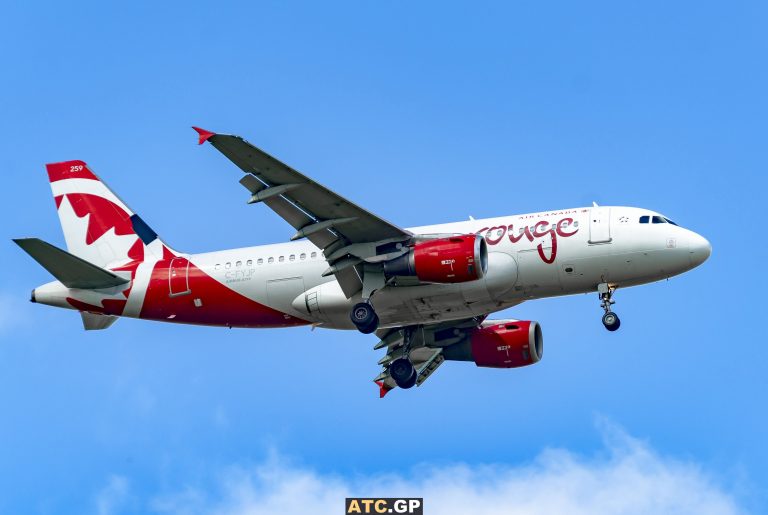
x=423, y=112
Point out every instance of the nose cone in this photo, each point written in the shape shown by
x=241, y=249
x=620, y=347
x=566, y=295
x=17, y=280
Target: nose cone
x=699, y=249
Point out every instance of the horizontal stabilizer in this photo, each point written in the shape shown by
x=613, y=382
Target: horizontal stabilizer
x=70, y=270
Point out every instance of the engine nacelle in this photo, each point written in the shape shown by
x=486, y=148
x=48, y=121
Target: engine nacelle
x=455, y=259
x=500, y=344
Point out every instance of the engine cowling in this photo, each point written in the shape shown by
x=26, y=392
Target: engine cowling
x=500, y=344
x=455, y=259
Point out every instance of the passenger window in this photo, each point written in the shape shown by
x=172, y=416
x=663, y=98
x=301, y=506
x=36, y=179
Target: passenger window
x=249, y=262
x=281, y=258
x=228, y=265
x=658, y=220
x=271, y=260
x=303, y=256
x=575, y=224
x=217, y=266
x=644, y=219
x=260, y=261
x=314, y=255
x=239, y=263
x=292, y=258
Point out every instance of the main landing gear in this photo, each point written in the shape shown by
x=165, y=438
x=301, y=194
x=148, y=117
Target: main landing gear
x=364, y=317
x=611, y=320
x=402, y=370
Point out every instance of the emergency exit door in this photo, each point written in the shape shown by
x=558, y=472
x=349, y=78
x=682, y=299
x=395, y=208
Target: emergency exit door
x=600, y=225
x=178, y=277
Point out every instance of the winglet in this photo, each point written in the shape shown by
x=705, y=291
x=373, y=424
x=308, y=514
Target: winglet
x=204, y=135
x=383, y=389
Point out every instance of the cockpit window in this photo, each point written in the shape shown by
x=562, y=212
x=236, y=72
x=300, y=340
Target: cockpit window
x=656, y=219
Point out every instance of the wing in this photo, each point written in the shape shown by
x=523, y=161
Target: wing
x=347, y=233
x=426, y=350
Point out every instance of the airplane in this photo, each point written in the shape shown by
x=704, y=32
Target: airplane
x=426, y=292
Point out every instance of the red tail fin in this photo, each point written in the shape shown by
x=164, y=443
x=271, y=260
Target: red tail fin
x=97, y=225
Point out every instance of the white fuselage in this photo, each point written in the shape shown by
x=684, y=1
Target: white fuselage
x=530, y=256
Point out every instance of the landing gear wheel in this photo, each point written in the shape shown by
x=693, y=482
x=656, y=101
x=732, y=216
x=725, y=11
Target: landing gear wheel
x=364, y=318
x=611, y=321
x=403, y=372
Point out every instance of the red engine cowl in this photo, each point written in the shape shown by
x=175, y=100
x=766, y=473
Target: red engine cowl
x=508, y=344
x=456, y=259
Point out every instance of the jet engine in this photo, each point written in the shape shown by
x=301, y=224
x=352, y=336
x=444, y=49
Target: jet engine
x=500, y=344
x=455, y=259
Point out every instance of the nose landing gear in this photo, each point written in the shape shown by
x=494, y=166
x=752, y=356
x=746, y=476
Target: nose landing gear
x=611, y=320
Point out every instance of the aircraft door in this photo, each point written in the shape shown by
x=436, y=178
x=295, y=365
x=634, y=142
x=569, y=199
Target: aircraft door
x=178, y=277
x=600, y=225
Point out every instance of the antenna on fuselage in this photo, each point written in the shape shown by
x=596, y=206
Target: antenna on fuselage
x=594, y=204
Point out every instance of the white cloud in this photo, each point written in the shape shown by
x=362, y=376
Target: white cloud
x=627, y=477
x=112, y=498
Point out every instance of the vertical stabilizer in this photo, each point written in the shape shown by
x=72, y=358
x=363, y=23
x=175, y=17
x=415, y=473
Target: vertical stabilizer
x=97, y=225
